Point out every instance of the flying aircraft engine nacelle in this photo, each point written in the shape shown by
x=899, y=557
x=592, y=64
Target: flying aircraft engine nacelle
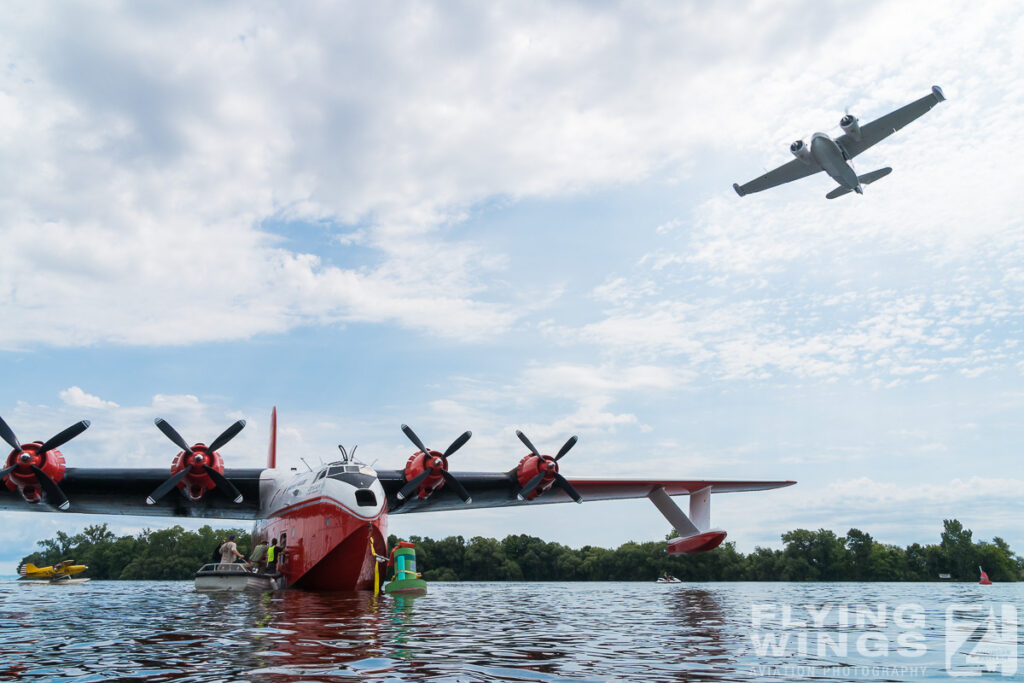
x=801, y=151
x=850, y=126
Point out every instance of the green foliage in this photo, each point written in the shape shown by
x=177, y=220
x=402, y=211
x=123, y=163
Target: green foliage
x=806, y=556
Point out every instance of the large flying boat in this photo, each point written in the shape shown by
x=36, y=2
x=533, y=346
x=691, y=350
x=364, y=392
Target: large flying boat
x=332, y=521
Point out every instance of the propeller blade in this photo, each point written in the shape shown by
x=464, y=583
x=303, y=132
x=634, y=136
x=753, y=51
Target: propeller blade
x=229, y=433
x=222, y=482
x=169, y=431
x=65, y=436
x=531, y=485
x=54, y=495
x=7, y=435
x=567, y=487
x=163, y=488
x=526, y=442
x=413, y=484
x=4, y=473
x=567, y=446
x=459, y=488
x=457, y=444
x=415, y=439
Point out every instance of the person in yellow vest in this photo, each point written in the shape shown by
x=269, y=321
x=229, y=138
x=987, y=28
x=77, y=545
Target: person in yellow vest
x=273, y=555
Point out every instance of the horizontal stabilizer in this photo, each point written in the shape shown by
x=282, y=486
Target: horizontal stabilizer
x=865, y=179
x=869, y=178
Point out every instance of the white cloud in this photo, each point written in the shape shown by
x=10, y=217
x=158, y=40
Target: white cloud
x=74, y=396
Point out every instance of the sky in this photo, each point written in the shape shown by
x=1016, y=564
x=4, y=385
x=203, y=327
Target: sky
x=493, y=216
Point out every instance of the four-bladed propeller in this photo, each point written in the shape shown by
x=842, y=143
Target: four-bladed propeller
x=196, y=458
x=435, y=463
x=547, y=467
x=28, y=458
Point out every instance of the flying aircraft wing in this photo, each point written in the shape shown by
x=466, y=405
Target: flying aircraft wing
x=113, y=491
x=794, y=170
x=488, y=490
x=883, y=127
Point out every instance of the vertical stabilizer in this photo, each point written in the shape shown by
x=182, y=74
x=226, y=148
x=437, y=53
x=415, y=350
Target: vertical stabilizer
x=272, y=450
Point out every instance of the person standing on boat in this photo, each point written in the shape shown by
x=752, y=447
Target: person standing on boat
x=215, y=557
x=229, y=551
x=273, y=555
x=258, y=557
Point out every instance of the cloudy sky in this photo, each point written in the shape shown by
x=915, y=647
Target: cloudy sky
x=493, y=216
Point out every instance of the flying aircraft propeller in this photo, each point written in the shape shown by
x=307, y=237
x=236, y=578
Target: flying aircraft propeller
x=27, y=459
x=548, y=467
x=435, y=463
x=197, y=458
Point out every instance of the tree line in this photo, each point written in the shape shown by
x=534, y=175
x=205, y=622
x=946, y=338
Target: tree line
x=175, y=554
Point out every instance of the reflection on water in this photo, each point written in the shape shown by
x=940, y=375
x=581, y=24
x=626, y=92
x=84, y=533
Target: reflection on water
x=484, y=632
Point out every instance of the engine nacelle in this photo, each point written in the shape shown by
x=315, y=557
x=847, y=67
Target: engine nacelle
x=23, y=479
x=801, y=151
x=530, y=467
x=197, y=482
x=850, y=126
x=430, y=467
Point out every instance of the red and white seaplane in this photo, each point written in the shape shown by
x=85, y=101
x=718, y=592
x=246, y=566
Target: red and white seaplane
x=332, y=521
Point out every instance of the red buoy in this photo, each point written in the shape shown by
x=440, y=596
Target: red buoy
x=985, y=581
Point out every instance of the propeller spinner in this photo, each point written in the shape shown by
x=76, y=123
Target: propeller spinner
x=427, y=470
x=38, y=465
x=537, y=471
x=201, y=466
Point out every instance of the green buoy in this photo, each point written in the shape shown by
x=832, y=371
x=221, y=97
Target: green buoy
x=404, y=579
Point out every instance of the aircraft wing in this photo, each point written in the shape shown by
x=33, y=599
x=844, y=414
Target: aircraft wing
x=498, y=489
x=883, y=127
x=114, y=491
x=794, y=170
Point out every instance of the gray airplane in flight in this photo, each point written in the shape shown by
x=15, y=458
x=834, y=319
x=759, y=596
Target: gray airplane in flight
x=833, y=156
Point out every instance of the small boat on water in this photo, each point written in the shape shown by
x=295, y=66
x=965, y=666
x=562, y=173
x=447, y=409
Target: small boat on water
x=667, y=579
x=221, y=576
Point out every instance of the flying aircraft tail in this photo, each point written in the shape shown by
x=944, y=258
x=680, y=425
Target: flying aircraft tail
x=865, y=179
x=695, y=532
x=27, y=568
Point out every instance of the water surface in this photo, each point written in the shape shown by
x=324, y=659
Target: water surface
x=163, y=631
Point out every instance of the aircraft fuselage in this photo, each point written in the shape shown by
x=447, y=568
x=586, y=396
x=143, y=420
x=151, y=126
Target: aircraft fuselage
x=828, y=155
x=332, y=523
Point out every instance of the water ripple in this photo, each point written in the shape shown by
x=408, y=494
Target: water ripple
x=103, y=631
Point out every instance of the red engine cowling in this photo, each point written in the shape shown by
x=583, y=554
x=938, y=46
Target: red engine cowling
x=537, y=473
x=197, y=481
x=197, y=469
x=532, y=466
x=427, y=470
x=33, y=469
x=431, y=466
x=23, y=479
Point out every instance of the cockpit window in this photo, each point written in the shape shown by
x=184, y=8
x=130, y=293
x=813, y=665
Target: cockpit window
x=351, y=475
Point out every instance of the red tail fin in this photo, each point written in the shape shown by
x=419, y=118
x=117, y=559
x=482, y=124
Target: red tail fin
x=272, y=451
